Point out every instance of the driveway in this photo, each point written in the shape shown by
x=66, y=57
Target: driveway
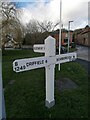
x=82, y=52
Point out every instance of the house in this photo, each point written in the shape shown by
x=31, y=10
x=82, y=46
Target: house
x=82, y=37
x=64, y=36
x=11, y=43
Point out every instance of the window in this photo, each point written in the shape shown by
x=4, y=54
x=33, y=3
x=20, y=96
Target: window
x=66, y=35
x=84, y=41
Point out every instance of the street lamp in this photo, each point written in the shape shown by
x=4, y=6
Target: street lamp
x=69, y=33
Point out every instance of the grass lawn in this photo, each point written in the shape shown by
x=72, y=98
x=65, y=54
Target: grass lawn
x=72, y=49
x=25, y=98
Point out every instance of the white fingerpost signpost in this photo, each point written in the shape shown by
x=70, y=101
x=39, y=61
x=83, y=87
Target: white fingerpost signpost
x=50, y=51
x=48, y=61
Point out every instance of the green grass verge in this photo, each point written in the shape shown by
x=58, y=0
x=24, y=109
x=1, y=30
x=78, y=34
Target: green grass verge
x=72, y=49
x=26, y=97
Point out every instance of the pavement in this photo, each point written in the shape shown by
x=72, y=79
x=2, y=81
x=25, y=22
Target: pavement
x=82, y=52
x=83, y=56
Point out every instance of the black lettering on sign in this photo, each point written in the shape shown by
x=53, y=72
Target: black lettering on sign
x=65, y=58
x=70, y=58
x=73, y=58
x=45, y=61
x=16, y=68
x=58, y=59
x=27, y=64
x=20, y=68
x=42, y=61
x=24, y=67
x=34, y=63
x=38, y=62
x=16, y=63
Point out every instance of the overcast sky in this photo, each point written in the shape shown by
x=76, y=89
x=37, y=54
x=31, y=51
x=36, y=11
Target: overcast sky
x=76, y=10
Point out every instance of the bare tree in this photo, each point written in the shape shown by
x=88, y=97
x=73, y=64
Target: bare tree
x=48, y=26
x=45, y=26
x=38, y=31
x=8, y=12
x=32, y=27
x=10, y=22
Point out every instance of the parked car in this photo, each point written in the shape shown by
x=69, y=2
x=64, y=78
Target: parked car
x=63, y=50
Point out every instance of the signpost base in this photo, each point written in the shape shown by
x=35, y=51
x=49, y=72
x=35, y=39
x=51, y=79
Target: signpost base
x=49, y=104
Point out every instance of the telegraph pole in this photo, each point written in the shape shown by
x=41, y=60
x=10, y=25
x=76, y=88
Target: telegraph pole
x=60, y=30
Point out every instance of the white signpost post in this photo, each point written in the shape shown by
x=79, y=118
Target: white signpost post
x=48, y=61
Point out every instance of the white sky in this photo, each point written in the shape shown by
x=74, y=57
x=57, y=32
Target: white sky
x=76, y=10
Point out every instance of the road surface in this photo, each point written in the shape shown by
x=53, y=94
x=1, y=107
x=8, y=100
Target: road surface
x=82, y=52
x=83, y=56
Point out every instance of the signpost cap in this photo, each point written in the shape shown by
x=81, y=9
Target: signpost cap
x=50, y=37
